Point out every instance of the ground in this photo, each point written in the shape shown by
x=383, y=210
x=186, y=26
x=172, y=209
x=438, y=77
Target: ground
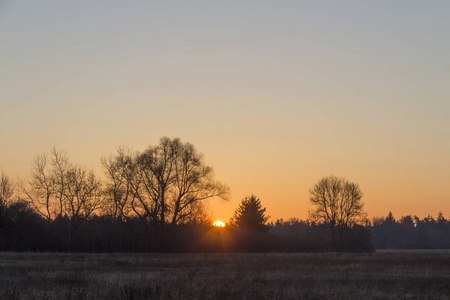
x=379, y=275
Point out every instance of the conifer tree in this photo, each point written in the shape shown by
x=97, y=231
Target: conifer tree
x=250, y=215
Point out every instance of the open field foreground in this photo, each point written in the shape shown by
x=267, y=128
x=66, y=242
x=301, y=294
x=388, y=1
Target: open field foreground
x=379, y=275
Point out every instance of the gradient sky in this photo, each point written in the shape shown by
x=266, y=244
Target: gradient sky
x=276, y=94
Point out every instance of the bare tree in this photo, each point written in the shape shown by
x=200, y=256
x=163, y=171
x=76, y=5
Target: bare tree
x=119, y=190
x=6, y=195
x=193, y=182
x=39, y=190
x=164, y=184
x=82, y=195
x=60, y=166
x=61, y=188
x=176, y=177
x=336, y=203
x=155, y=169
x=6, y=191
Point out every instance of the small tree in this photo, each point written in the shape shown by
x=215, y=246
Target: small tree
x=6, y=189
x=61, y=189
x=250, y=215
x=6, y=195
x=336, y=203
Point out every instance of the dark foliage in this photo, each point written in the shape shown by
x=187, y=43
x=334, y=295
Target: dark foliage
x=22, y=229
x=411, y=233
x=300, y=236
x=25, y=230
x=250, y=215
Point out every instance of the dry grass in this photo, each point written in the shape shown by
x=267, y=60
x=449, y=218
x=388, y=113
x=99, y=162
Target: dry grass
x=380, y=275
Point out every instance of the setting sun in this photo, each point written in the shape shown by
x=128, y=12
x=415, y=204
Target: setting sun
x=219, y=223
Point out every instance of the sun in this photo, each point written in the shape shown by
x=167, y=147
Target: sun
x=219, y=223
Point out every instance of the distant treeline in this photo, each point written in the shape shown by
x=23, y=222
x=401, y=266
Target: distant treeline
x=22, y=229
x=411, y=232
x=154, y=201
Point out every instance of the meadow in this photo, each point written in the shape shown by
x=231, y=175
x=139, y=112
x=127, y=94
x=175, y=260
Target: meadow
x=377, y=275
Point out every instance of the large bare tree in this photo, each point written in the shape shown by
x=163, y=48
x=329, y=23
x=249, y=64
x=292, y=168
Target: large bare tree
x=164, y=184
x=336, y=203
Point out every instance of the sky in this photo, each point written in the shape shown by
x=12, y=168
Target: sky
x=275, y=94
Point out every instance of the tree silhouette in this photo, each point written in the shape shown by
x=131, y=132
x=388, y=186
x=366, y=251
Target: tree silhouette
x=165, y=184
x=62, y=189
x=6, y=190
x=6, y=194
x=337, y=204
x=250, y=215
x=119, y=186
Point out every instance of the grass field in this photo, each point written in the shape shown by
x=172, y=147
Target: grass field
x=379, y=275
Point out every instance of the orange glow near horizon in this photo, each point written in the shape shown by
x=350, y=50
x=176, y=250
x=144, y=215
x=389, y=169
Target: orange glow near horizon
x=219, y=223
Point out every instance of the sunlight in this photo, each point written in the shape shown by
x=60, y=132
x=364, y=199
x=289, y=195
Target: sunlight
x=219, y=223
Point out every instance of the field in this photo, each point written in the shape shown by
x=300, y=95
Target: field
x=379, y=275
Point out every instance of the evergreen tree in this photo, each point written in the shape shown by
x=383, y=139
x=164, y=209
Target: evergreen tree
x=250, y=215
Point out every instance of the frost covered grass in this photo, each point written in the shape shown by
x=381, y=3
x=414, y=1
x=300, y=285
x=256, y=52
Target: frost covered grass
x=379, y=275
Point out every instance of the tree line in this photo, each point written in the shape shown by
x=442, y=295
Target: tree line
x=155, y=201
x=411, y=232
